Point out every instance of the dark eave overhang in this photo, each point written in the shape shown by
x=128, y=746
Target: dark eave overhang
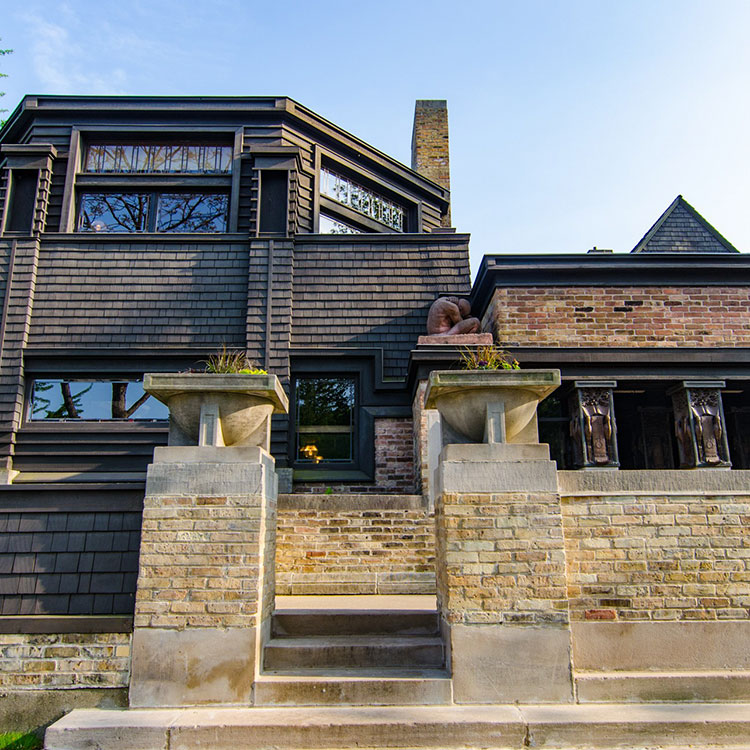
x=602, y=270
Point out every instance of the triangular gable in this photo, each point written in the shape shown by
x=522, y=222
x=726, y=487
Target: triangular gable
x=681, y=229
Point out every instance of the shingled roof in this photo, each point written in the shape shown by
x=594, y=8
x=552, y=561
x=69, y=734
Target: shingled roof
x=681, y=229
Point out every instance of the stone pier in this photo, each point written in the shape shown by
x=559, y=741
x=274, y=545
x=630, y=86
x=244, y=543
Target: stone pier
x=206, y=578
x=501, y=574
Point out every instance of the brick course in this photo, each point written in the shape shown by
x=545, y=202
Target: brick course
x=64, y=661
x=661, y=557
x=620, y=316
x=199, y=563
x=370, y=551
x=501, y=559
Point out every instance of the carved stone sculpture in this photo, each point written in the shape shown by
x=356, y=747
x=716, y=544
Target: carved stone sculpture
x=592, y=424
x=699, y=425
x=450, y=316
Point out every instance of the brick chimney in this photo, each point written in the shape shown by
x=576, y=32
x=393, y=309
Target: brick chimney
x=429, y=144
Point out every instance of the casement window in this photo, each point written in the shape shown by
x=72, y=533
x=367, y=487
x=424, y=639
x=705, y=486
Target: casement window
x=92, y=400
x=324, y=429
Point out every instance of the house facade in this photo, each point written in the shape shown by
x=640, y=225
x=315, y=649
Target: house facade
x=143, y=235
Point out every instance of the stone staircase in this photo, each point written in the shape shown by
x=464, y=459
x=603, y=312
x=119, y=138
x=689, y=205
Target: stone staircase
x=353, y=657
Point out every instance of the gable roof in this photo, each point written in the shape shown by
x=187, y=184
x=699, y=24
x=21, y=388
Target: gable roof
x=681, y=229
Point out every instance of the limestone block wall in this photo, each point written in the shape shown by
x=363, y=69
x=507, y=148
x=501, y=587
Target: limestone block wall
x=339, y=544
x=503, y=559
x=63, y=661
x=660, y=556
x=624, y=316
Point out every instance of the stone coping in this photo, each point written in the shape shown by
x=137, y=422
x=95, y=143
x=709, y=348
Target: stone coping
x=165, y=385
x=653, y=482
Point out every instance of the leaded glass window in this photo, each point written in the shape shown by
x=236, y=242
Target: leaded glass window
x=324, y=428
x=93, y=400
x=362, y=199
x=158, y=158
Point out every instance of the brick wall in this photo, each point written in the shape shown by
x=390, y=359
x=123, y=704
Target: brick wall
x=63, y=661
x=394, y=455
x=199, y=562
x=611, y=316
x=502, y=557
x=658, y=557
x=333, y=544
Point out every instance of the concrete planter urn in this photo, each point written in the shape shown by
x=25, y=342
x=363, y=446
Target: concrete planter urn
x=489, y=406
x=208, y=409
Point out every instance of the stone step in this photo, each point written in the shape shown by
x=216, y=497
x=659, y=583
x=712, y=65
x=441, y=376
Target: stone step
x=682, y=685
x=355, y=688
x=697, y=725
x=330, y=652
x=347, y=622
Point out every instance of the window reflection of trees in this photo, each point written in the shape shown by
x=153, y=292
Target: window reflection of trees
x=70, y=399
x=325, y=419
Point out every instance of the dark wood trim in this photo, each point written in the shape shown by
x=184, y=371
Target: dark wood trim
x=67, y=624
x=80, y=239
x=6, y=301
x=69, y=497
x=424, y=239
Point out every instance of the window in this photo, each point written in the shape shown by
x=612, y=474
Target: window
x=361, y=200
x=167, y=187
x=329, y=225
x=154, y=158
x=93, y=400
x=324, y=420
x=153, y=212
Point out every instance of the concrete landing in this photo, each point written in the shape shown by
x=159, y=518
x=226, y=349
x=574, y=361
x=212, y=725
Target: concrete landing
x=501, y=727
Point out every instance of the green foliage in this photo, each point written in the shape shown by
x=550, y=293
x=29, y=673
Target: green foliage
x=4, y=52
x=19, y=741
x=488, y=358
x=228, y=361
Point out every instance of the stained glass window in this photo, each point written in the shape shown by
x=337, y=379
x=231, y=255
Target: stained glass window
x=362, y=199
x=155, y=158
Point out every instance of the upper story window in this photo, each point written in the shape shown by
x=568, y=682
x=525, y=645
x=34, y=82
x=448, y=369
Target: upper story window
x=329, y=225
x=153, y=212
x=362, y=200
x=155, y=158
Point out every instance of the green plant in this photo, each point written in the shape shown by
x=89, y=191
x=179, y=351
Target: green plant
x=488, y=357
x=19, y=741
x=232, y=361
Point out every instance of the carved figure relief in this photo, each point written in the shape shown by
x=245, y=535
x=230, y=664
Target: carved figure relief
x=449, y=316
x=699, y=428
x=592, y=427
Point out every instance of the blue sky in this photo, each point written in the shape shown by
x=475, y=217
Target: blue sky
x=573, y=124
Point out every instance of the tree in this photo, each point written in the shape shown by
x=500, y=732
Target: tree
x=4, y=52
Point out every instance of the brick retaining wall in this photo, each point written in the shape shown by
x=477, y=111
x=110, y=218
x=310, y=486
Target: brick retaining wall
x=658, y=557
x=339, y=544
